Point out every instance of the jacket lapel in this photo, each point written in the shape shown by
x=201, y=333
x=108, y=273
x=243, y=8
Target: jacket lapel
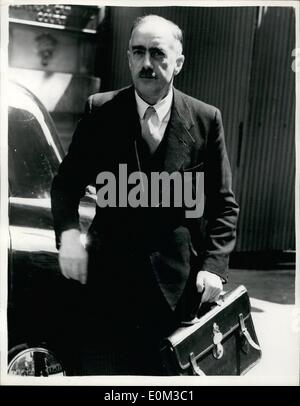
x=179, y=139
x=129, y=121
x=127, y=128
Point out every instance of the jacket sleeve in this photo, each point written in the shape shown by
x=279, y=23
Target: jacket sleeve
x=75, y=173
x=221, y=210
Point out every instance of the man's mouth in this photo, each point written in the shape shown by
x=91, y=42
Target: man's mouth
x=148, y=76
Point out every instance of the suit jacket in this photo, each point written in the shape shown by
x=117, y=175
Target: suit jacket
x=194, y=141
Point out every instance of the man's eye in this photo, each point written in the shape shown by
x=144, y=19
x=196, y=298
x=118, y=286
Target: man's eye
x=157, y=53
x=138, y=52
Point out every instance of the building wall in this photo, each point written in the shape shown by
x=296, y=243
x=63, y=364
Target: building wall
x=56, y=61
x=267, y=165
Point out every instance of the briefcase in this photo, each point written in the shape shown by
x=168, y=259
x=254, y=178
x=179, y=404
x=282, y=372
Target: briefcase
x=220, y=342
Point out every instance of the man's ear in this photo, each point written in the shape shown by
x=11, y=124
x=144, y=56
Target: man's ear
x=179, y=64
x=128, y=56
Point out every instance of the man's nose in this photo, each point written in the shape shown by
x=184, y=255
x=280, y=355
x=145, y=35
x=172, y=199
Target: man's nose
x=147, y=61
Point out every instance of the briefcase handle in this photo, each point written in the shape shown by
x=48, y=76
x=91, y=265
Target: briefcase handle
x=195, y=315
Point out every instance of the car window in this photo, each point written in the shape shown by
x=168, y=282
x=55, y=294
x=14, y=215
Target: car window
x=32, y=160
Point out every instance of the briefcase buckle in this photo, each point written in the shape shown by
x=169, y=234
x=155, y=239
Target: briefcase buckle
x=218, y=349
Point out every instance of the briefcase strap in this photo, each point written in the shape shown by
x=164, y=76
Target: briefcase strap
x=246, y=333
x=243, y=331
x=196, y=369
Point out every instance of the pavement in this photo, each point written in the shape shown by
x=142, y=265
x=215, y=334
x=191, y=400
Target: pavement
x=277, y=323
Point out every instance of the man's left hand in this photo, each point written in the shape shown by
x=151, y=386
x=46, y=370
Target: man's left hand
x=211, y=284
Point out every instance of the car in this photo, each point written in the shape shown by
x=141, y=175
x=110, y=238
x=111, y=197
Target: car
x=41, y=308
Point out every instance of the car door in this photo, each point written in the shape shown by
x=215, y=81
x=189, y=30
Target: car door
x=41, y=302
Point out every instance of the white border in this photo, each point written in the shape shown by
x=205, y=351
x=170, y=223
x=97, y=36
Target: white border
x=128, y=380
x=3, y=187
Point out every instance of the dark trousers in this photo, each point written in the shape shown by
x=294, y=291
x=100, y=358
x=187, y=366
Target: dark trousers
x=123, y=319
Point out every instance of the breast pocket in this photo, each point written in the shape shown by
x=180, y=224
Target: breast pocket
x=199, y=167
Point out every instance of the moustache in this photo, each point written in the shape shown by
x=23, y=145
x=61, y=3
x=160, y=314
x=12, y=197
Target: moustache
x=147, y=74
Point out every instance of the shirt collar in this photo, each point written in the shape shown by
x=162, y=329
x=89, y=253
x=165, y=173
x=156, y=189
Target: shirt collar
x=162, y=108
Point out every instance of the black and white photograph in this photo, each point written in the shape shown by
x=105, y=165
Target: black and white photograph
x=149, y=194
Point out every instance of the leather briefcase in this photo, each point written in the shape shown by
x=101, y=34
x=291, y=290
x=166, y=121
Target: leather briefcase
x=221, y=342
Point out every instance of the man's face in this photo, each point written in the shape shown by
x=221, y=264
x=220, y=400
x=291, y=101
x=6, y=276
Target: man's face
x=154, y=59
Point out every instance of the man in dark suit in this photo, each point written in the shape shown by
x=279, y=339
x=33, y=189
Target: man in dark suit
x=143, y=265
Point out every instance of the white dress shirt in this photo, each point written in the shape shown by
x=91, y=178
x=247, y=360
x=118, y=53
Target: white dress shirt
x=163, y=111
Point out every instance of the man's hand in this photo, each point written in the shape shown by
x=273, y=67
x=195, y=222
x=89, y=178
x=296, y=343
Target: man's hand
x=73, y=257
x=211, y=284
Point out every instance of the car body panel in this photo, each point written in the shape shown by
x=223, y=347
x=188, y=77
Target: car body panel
x=40, y=299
